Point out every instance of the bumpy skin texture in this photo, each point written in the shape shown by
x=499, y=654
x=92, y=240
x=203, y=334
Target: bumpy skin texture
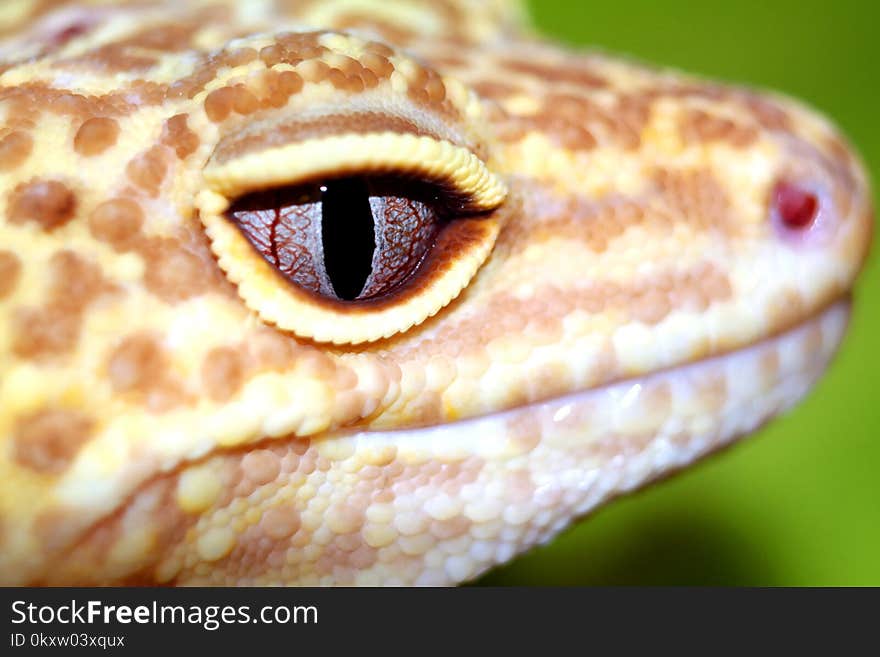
x=642, y=303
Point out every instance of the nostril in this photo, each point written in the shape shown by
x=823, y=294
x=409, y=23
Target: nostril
x=795, y=205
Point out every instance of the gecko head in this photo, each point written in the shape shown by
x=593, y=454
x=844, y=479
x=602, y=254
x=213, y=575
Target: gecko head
x=299, y=262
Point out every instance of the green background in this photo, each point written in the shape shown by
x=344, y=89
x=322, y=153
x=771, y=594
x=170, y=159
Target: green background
x=799, y=502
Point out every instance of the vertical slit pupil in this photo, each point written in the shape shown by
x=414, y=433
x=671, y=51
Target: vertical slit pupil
x=348, y=235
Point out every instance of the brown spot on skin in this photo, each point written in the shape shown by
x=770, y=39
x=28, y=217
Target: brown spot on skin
x=177, y=135
x=767, y=113
x=49, y=203
x=378, y=65
x=450, y=60
x=193, y=84
x=390, y=32
x=577, y=121
x=148, y=170
x=27, y=101
x=337, y=78
x=651, y=306
x=95, y=136
x=76, y=282
x=290, y=82
x=379, y=48
x=274, y=54
x=112, y=58
x=578, y=73
x=138, y=367
x=47, y=441
x=164, y=37
x=596, y=223
x=313, y=70
x=44, y=332
x=136, y=364
x=272, y=350
x=699, y=126
x=278, y=87
x=218, y=104
x=10, y=271
x=175, y=272
x=243, y=101
x=223, y=373
x=697, y=196
x=118, y=222
x=54, y=329
x=494, y=90
x=15, y=149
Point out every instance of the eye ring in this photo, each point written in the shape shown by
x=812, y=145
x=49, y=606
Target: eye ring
x=445, y=270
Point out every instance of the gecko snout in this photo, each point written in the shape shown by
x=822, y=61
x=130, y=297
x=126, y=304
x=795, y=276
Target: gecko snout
x=820, y=198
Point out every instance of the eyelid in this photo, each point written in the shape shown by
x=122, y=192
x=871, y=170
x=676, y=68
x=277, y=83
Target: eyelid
x=458, y=171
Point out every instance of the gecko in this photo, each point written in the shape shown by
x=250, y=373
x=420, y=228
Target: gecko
x=348, y=292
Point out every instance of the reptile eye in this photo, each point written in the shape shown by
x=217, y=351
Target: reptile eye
x=350, y=239
x=795, y=205
x=353, y=238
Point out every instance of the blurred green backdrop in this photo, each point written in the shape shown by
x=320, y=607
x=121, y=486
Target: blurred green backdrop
x=799, y=502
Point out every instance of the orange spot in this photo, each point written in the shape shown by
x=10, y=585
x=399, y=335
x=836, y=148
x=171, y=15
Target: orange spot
x=49, y=203
x=14, y=149
x=223, y=373
x=117, y=221
x=218, y=104
x=95, y=136
x=177, y=135
x=10, y=270
x=47, y=441
x=148, y=170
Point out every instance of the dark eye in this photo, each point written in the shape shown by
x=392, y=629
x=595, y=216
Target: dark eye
x=346, y=239
x=350, y=238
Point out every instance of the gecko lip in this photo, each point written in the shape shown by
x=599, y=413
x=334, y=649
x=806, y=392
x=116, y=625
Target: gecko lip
x=690, y=408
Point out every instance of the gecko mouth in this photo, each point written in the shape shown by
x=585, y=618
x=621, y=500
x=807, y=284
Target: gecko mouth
x=679, y=413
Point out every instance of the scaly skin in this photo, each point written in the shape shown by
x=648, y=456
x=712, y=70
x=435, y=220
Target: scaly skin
x=175, y=412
